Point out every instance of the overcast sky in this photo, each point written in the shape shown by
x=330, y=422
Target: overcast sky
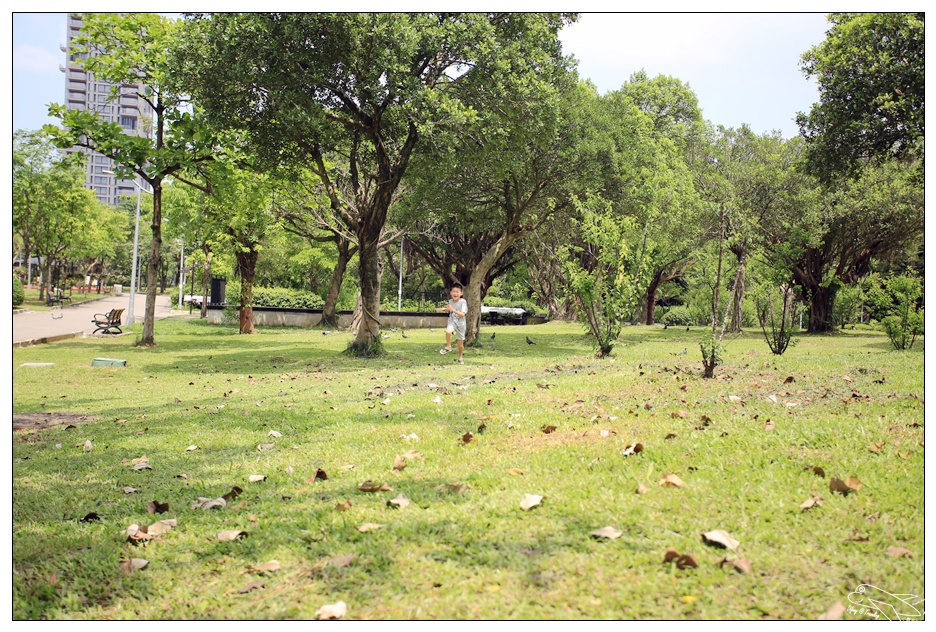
x=744, y=68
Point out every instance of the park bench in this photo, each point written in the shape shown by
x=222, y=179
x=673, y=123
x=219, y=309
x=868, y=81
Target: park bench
x=107, y=322
x=57, y=298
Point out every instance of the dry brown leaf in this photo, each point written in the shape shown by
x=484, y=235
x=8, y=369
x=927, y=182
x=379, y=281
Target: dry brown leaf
x=265, y=446
x=332, y=611
x=818, y=471
x=742, y=566
x=847, y=378
x=399, y=463
x=371, y=486
x=467, y=437
x=548, y=429
x=369, y=526
x=342, y=560
x=529, y=501
x=274, y=433
x=687, y=561
x=399, y=501
x=515, y=471
x=850, y=484
x=641, y=489
x=130, y=490
x=606, y=532
x=132, y=564
x=720, y=538
x=671, y=555
x=143, y=465
x=208, y=503
x=876, y=447
x=252, y=586
x=680, y=414
x=256, y=478
x=809, y=503
x=231, y=535
x=769, y=425
x=903, y=455
x=834, y=613
x=789, y=379
x=633, y=448
x=343, y=505
x=671, y=480
x=234, y=493
x=154, y=507
x=898, y=551
x=671, y=435
x=411, y=454
x=87, y=445
x=266, y=567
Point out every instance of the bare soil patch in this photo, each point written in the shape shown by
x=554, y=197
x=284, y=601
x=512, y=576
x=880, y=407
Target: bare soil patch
x=42, y=421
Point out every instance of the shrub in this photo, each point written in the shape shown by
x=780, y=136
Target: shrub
x=677, y=316
x=906, y=322
x=283, y=297
x=19, y=294
x=530, y=307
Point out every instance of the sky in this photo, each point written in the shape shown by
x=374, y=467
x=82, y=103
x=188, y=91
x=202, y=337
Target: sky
x=744, y=68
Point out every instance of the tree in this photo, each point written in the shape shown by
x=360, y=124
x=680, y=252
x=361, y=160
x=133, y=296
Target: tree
x=870, y=72
x=129, y=51
x=362, y=88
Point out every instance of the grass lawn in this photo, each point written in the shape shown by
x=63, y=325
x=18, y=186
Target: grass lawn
x=285, y=404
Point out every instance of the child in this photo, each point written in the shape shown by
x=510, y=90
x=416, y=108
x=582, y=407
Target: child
x=457, y=308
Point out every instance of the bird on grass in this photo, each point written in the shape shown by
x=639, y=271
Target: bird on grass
x=326, y=332
x=684, y=351
x=529, y=342
x=687, y=327
x=403, y=333
x=431, y=330
x=492, y=335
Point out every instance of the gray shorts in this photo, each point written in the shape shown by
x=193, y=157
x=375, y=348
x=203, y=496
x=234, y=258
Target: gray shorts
x=456, y=328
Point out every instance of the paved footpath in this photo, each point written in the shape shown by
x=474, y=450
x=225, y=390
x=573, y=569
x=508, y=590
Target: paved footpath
x=31, y=327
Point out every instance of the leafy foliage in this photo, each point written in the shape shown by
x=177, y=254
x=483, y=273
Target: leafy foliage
x=906, y=322
x=18, y=293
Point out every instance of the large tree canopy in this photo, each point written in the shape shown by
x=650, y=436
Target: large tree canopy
x=870, y=72
x=359, y=90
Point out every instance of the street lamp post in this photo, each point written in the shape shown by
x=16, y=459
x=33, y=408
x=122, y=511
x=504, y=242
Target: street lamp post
x=136, y=247
x=181, y=270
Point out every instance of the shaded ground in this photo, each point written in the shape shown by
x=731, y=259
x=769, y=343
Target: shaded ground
x=41, y=421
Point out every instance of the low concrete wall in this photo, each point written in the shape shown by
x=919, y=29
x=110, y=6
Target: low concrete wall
x=285, y=317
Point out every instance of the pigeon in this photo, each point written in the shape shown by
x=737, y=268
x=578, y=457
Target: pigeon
x=432, y=330
x=530, y=342
x=385, y=336
x=326, y=332
x=687, y=327
x=403, y=333
x=393, y=329
x=492, y=335
x=684, y=351
x=665, y=325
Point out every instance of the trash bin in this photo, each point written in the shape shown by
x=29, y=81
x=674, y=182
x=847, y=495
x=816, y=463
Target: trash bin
x=118, y=289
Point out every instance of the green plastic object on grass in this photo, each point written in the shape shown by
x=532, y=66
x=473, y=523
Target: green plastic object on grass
x=108, y=362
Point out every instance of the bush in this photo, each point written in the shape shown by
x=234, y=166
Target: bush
x=19, y=294
x=530, y=307
x=283, y=297
x=677, y=316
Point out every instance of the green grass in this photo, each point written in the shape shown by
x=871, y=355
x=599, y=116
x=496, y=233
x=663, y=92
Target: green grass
x=474, y=555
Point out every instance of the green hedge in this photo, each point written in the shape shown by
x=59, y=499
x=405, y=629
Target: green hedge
x=676, y=316
x=19, y=294
x=267, y=297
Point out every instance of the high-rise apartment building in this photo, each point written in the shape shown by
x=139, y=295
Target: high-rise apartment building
x=83, y=91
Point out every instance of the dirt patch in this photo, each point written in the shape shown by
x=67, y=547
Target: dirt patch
x=42, y=421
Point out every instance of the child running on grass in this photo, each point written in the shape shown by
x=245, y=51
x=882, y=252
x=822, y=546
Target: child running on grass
x=457, y=308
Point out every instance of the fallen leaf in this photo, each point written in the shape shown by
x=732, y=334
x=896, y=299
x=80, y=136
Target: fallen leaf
x=641, y=489
x=411, y=454
x=154, y=507
x=234, y=493
x=834, y=613
x=132, y=564
x=671, y=480
x=548, y=429
x=191, y=447
x=809, y=503
x=671, y=435
x=772, y=398
x=229, y=536
x=789, y=379
x=769, y=425
x=606, y=532
x=742, y=566
x=399, y=463
x=130, y=490
x=679, y=414
x=265, y=446
x=411, y=436
x=634, y=448
x=818, y=471
x=720, y=538
x=898, y=551
x=252, y=586
x=88, y=446
x=288, y=469
x=850, y=484
x=529, y=501
x=332, y=611
x=847, y=378
x=274, y=433
x=735, y=398
x=369, y=526
x=371, y=486
x=142, y=466
x=671, y=555
x=687, y=561
x=876, y=447
x=256, y=478
x=467, y=437
x=399, y=501
x=91, y=517
x=266, y=567
x=342, y=560
x=437, y=400
x=904, y=456
x=515, y=471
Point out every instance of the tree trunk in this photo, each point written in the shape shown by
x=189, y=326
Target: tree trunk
x=247, y=267
x=367, y=343
x=206, y=279
x=152, y=270
x=330, y=311
x=821, y=300
x=737, y=297
x=474, y=290
x=649, y=312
